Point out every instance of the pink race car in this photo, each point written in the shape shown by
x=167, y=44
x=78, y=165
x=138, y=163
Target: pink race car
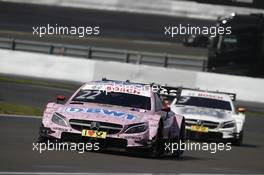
x=117, y=114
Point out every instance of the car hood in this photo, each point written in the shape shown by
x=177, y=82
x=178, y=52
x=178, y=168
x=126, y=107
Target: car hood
x=207, y=114
x=103, y=113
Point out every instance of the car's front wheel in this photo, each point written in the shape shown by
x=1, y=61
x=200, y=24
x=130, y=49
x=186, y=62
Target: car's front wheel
x=180, y=140
x=239, y=140
x=157, y=147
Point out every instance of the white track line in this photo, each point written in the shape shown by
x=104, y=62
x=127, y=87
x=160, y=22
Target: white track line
x=19, y=116
x=61, y=173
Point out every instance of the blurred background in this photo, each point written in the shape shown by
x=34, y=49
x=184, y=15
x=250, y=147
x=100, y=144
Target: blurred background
x=133, y=32
x=132, y=45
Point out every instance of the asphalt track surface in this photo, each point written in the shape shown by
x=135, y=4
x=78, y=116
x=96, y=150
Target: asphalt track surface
x=18, y=134
x=118, y=29
x=22, y=17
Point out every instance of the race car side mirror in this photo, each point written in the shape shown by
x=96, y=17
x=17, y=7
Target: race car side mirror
x=241, y=110
x=60, y=98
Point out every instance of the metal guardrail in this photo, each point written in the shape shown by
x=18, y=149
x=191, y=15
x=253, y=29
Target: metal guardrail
x=106, y=54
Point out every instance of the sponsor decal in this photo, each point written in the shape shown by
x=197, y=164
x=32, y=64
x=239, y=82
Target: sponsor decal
x=216, y=95
x=210, y=96
x=94, y=133
x=105, y=112
x=125, y=89
x=136, y=89
x=198, y=128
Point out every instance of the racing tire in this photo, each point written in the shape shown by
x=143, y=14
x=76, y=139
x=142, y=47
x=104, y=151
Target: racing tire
x=180, y=140
x=157, y=149
x=42, y=139
x=238, y=141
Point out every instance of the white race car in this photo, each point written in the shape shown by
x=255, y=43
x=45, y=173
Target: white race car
x=210, y=115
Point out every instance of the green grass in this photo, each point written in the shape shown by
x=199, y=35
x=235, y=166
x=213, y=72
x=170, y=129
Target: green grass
x=16, y=109
x=21, y=109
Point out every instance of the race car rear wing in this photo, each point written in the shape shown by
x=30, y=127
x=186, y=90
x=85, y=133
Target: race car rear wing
x=121, y=81
x=231, y=95
x=169, y=92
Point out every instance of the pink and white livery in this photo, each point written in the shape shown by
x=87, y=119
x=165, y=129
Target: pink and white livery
x=117, y=114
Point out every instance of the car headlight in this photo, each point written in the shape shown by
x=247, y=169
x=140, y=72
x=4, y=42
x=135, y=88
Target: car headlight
x=59, y=119
x=229, y=124
x=136, y=128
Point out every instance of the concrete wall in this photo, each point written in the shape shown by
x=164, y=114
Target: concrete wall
x=46, y=66
x=82, y=70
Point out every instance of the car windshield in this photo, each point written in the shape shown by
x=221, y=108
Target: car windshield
x=204, y=102
x=113, y=98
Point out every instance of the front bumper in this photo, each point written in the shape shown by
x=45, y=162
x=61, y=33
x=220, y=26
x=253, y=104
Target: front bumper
x=212, y=134
x=67, y=134
x=104, y=143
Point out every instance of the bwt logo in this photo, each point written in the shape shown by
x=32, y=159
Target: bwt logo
x=102, y=111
